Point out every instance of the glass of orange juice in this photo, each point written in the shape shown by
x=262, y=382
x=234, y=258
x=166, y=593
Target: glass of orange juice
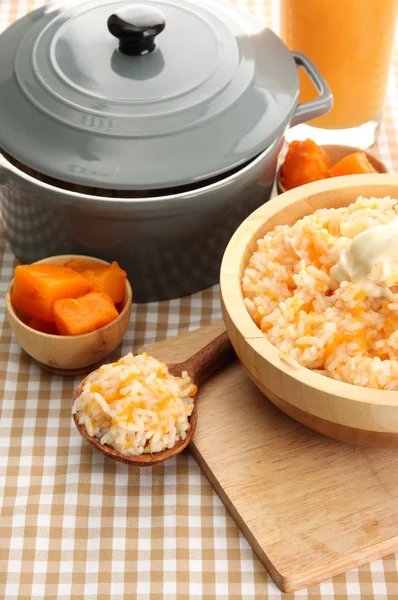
x=351, y=43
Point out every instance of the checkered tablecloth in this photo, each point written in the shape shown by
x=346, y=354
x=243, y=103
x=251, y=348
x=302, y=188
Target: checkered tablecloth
x=74, y=526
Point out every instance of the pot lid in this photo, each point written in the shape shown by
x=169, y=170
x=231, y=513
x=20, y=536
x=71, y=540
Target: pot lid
x=128, y=95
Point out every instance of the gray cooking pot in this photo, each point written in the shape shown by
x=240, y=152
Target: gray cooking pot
x=143, y=133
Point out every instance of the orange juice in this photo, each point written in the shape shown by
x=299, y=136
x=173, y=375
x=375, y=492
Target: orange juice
x=351, y=42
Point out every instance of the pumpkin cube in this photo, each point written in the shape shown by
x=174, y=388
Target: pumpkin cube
x=108, y=279
x=356, y=163
x=37, y=287
x=76, y=316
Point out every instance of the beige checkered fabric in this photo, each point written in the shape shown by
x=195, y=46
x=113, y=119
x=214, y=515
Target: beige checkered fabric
x=75, y=526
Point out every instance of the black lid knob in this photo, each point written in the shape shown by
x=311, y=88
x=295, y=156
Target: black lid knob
x=136, y=27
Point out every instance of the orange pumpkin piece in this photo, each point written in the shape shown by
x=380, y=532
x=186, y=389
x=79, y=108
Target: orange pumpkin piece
x=75, y=316
x=79, y=264
x=37, y=287
x=305, y=161
x=43, y=326
x=356, y=163
x=108, y=279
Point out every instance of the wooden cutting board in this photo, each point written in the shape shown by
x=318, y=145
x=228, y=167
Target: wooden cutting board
x=310, y=507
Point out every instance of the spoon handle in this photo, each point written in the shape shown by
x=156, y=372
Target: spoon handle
x=218, y=353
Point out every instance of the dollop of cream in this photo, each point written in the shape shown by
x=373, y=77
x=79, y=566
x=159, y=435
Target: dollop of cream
x=371, y=260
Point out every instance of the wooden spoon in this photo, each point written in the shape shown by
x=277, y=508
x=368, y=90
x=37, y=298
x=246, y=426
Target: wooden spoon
x=199, y=367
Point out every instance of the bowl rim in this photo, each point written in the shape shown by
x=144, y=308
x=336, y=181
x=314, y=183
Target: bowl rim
x=232, y=297
x=127, y=301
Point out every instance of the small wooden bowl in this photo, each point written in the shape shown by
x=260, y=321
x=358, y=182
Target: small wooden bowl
x=336, y=153
x=70, y=355
x=346, y=412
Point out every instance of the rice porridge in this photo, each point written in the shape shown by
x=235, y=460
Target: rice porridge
x=299, y=287
x=135, y=405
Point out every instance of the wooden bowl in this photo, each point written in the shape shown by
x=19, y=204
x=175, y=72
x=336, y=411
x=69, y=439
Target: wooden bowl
x=352, y=414
x=70, y=355
x=336, y=153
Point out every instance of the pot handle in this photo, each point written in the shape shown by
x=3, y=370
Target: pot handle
x=321, y=105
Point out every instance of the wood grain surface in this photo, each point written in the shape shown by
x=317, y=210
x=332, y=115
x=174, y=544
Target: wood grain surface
x=310, y=507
